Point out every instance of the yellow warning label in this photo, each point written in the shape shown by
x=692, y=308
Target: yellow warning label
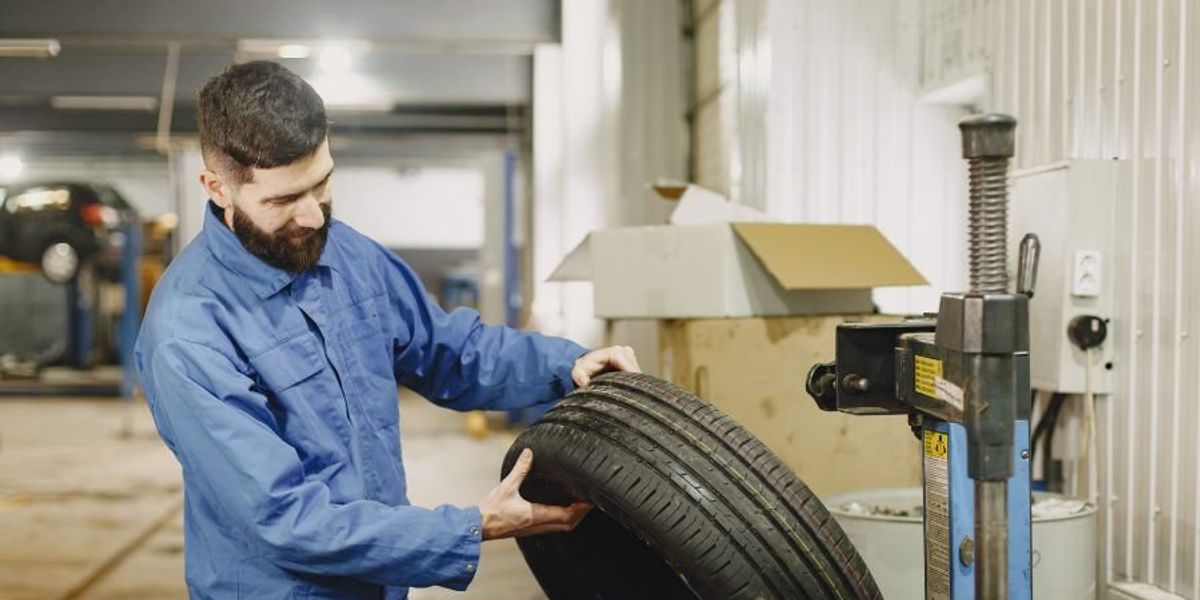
x=936, y=444
x=927, y=371
x=938, y=560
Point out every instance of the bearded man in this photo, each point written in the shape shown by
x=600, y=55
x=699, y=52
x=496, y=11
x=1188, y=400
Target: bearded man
x=270, y=356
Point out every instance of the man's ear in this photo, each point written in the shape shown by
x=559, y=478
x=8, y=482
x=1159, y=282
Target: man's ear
x=215, y=188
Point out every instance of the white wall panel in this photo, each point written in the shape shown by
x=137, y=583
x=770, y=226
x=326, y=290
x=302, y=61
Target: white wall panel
x=1117, y=79
x=715, y=140
x=829, y=126
x=609, y=118
x=424, y=207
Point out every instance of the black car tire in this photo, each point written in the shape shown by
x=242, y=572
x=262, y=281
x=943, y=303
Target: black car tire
x=66, y=251
x=688, y=504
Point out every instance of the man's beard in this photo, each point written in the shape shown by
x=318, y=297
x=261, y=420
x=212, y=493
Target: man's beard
x=292, y=248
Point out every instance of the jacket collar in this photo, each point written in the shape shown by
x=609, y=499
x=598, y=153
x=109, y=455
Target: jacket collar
x=264, y=279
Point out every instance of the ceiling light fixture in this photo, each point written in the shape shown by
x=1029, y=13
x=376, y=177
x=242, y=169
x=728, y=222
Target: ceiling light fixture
x=350, y=92
x=142, y=103
x=11, y=167
x=29, y=48
x=294, y=51
x=335, y=59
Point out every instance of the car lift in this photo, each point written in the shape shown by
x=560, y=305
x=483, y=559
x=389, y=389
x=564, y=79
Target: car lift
x=963, y=379
x=80, y=327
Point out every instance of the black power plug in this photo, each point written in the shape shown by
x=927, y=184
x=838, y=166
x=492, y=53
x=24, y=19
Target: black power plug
x=1087, y=331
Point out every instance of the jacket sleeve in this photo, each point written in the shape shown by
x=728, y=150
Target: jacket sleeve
x=459, y=362
x=226, y=438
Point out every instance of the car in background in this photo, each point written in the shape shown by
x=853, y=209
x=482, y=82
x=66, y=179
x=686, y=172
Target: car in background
x=62, y=226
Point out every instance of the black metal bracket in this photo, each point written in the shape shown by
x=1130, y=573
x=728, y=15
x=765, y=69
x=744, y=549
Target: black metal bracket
x=862, y=379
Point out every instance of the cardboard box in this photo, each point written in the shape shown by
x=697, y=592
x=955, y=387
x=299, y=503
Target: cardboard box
x=718, y=259
x=753, y=369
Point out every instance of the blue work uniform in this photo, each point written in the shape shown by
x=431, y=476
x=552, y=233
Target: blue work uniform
x=277, y=393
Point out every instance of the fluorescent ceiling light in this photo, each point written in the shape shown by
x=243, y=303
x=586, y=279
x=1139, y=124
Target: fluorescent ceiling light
x=175, y=141
x=338, y=55
x=11, y=167
x=29, y=48
x=293, y=51
x=142, y=103
x=351, y=92
x=335, y=59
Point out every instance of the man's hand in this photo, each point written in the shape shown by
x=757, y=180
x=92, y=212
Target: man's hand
x=613, y=358
x=506, y=514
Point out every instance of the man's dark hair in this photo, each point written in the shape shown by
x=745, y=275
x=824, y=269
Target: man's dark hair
x=258, y=114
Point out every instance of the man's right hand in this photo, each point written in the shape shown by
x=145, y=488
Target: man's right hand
x=506, y=514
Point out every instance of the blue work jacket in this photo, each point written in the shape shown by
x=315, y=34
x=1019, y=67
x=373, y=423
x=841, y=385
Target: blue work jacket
x=277, y=393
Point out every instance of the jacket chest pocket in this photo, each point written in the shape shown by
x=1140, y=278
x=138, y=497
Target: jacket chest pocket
x=373, y=358
x=297, y=378
x=289, y=364
x=363, y=319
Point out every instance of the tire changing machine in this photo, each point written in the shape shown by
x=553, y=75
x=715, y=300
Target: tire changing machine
x=962, y=377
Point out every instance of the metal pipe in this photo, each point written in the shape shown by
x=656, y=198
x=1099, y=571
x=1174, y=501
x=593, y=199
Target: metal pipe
x=991, y=546
x=166, y=102
x=1132, y=442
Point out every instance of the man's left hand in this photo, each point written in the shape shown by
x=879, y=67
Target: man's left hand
x=604, y=360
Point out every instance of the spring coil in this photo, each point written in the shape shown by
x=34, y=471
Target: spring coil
x=988, y=224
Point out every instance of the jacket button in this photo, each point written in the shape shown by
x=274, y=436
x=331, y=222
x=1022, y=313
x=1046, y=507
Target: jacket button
x=470, y=567
x=474, y=530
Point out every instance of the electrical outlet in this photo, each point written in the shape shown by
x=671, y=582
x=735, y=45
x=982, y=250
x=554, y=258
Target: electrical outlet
x=1086, y=274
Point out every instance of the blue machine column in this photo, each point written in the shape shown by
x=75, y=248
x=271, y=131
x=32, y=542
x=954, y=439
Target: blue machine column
x=950, y=514
x=131, y=316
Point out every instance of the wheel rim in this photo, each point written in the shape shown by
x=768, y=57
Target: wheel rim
x=59, y=262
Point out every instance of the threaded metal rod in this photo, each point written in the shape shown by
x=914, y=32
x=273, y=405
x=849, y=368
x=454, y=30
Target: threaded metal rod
x=988, y=225
x=988, y=143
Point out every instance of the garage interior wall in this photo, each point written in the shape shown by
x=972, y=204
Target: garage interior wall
x=434, y=206
x=812, y=111
x=609, y=119
x=452, y=199
x=858, y=126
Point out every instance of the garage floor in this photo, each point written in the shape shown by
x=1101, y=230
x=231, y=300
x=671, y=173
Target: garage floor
x=90, y=500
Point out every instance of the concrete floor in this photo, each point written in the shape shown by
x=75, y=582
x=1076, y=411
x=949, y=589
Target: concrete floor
x=90, y=500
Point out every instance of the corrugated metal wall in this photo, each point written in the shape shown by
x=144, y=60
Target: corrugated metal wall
x=854, y=128
x=609, y=118
x=1116, y=79
x=714, y=89
x=810, y=110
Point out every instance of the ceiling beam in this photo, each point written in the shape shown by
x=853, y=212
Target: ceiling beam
x=411, y=21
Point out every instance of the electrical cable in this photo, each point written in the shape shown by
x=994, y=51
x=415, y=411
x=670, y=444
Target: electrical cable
x=1040, y=429
x=1051, y=475
x=1049, y=419
x=1088, y=452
